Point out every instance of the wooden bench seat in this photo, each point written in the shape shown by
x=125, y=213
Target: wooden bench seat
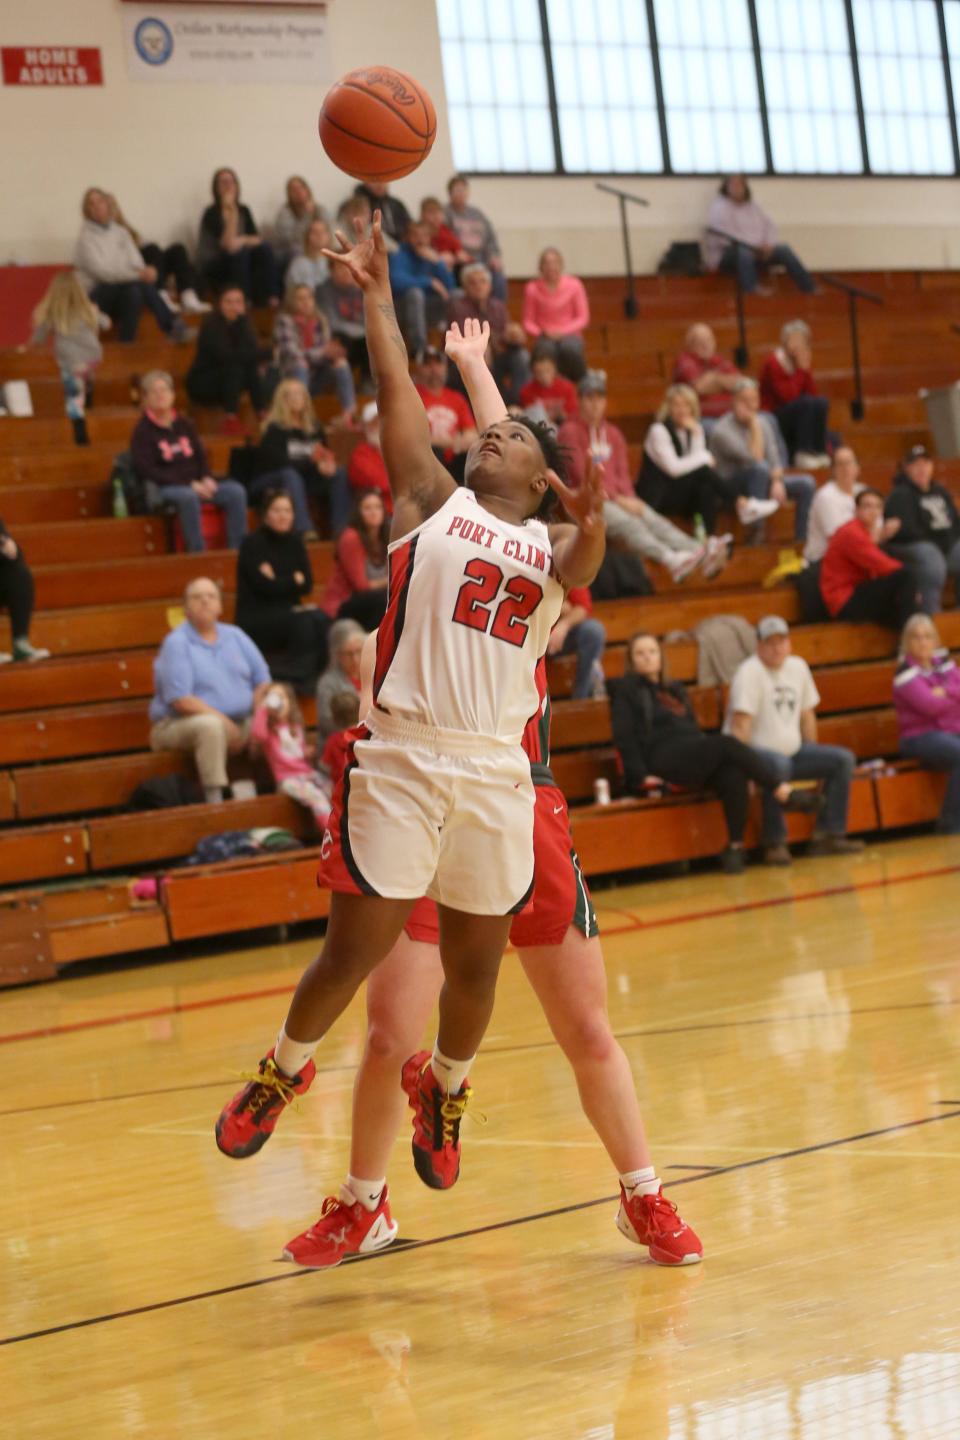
x=123, y=842
x=72, y=731
x=78, y=680
x=77, y=542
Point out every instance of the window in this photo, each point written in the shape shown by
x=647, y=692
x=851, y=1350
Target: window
x=495, y=75
x=809, y=89
x=709, y=86
x=606, y=96
x=903, y=86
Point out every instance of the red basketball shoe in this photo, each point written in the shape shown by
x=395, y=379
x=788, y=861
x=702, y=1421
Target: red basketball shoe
x=436, y=1122
x=652, y=1220
x=248, y=1120
x=345, y=1228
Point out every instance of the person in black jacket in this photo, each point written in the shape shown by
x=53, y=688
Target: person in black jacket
x=396, y=218
x=274, y=579
x=228, y=359
x=678, y=475
x=656, y=734
x=928, y=536
x=16, y=596
x=230, y=250
x=293, y=455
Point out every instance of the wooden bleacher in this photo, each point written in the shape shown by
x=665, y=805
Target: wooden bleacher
x=74, y=734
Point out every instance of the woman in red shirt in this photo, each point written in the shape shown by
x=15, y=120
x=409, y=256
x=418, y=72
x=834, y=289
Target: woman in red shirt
x=357, y=589
x=367, y=469
x=787, y=389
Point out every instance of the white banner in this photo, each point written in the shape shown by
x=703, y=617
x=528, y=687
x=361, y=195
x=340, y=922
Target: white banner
x=219, y=44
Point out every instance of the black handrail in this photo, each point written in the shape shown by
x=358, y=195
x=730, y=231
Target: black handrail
x=741, y=355
x=853, y=294
x=630, y=308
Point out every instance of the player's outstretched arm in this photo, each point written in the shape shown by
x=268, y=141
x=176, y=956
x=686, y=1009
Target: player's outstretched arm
x=578, y=549
x=468, y=352
x=416, y=475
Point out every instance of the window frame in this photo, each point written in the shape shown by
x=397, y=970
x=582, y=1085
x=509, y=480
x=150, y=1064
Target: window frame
x=668, y=172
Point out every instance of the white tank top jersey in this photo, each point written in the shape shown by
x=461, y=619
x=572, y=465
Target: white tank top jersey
x=472, y=601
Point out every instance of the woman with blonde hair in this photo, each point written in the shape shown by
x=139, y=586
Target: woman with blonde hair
x=294, y=218
x=113, y=273
x=68, y=316
x=305, y=349
x=926, y=698
x=678, y=475
x=311, y=266
x=293, y=455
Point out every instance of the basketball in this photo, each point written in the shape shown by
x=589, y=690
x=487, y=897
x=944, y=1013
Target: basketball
x=377, y=124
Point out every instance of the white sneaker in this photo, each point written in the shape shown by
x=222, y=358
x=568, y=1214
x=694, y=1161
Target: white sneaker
x=598, y=682
x=5, y=657
x=811, y=460
x=751, y=511
x=192, y=304
x=718, y=553
x=682, y=563
x=170, y=303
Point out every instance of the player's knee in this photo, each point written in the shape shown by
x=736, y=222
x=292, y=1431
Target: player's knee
x=589, y=1040
x=386, y=1045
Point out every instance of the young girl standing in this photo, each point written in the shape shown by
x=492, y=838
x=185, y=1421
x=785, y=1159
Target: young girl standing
x=278, y=731
x=68, y=316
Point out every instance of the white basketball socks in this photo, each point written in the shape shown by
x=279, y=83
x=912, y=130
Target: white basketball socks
x=450, y=1073
x=290, y=1056
x=368, y=1192
x=640, y=1182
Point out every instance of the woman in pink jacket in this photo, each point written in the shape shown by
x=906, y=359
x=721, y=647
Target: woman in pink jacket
x=555, y=307
x=926, y=697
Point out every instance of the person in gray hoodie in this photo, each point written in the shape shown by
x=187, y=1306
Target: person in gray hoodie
x=114, y=275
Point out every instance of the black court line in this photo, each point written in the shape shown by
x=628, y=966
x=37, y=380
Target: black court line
x=693, y=1167
x=651, y=1033
x=400, y=1247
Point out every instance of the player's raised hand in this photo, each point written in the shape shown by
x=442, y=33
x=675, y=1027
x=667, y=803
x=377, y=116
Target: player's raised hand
x=366, y=259
x=471, y=344
x=584, y=505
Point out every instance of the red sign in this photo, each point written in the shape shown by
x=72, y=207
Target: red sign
x=35, y=65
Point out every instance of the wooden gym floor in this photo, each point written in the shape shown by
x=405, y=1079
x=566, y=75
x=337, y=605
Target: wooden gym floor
x=795, y=1038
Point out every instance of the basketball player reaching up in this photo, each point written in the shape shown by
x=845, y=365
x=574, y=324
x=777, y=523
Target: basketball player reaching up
x=437, y=796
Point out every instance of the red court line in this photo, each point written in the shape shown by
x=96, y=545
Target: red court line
x=687, y=917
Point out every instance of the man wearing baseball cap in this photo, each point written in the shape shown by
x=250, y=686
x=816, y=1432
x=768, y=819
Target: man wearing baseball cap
x=772, y=707
x=929, y=534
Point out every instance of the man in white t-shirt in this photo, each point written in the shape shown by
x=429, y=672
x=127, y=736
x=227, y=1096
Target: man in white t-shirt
x=833, y=505
x=772, y=707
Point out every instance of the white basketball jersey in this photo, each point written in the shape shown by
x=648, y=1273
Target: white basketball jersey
x=472, y=601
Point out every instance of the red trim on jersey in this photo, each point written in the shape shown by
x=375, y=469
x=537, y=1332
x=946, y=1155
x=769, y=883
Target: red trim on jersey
x=391, y=627
x=338, y=870
x=532, y=739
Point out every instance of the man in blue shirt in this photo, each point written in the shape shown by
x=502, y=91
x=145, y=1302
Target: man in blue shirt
x=207, y=679
x=421, y=285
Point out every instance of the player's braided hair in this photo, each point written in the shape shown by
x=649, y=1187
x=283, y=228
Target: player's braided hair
x=555, y=456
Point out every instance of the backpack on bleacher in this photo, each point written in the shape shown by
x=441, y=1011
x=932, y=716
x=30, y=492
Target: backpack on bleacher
x=134, y=489
x=682, y=258
x=162, y=792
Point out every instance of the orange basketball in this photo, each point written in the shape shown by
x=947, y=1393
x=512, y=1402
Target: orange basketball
x=377, y=124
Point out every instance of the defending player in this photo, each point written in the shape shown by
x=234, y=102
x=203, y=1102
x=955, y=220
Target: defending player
x=437, y=797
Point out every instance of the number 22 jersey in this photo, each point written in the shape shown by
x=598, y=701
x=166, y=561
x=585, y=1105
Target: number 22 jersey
x=472, y=601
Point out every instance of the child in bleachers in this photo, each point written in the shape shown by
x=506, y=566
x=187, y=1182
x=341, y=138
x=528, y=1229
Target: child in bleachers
x=68, y=316
x=277, y=731
x=345, y=709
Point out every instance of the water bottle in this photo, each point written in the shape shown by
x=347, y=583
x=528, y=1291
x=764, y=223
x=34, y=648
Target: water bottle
x=120, y=511
x=699, y=530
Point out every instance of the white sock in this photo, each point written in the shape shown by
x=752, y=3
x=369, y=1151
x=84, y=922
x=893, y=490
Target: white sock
x=290, y=1056
x=368, y=1192
x=213, y=794
x=450, y=1073
x=644, y=1182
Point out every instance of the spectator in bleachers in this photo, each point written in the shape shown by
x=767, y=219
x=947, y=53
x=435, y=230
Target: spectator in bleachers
x=421, y=286
x=171, y=262
x=274, y=579
x=578, y=632
x=357, y=589
x=857, y=580
x=657, y=736
x=452, y=426
x=773, y=707
x=788, y=391
x=229, y=360
x=750, y=462
x=310, y=266
x=736, y=213
x=395, y=217
x=476, y=235
x=555, y=307
x=278, y=733
x=207, y=679
x=442, y=239
x=293, y=455
x=168, y=455
x=342, y=675
x=701, y=366
x=548, y=394
x=631, y=524
x=926, y=697
x=833, y=505
x=68, y=316
x=16, y=597
x=305, y=350
x=366, y=468
x=294, y=219
x=507, y=352
x=928, y=537
x=113, y=273
x=678, y=475
x=231, y=251
x=342, y=303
